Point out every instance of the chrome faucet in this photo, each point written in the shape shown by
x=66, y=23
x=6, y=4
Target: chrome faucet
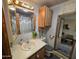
x=20, y=42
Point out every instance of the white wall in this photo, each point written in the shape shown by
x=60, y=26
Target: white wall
x=66, y=7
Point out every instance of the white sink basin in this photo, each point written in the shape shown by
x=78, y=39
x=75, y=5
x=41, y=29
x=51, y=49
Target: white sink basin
x=28, y=46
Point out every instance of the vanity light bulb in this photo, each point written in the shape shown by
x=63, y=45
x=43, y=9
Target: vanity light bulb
x=9, y=1
x=17, y=2
x=12, y=8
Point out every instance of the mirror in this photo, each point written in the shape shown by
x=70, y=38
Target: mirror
x=22, y=17
x=25, y=21
x=67, y=34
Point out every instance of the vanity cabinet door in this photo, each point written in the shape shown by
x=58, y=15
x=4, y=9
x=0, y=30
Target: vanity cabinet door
x=40, y=54
x=33, y=57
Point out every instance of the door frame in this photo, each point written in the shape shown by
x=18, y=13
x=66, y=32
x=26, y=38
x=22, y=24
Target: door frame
x=57, y=31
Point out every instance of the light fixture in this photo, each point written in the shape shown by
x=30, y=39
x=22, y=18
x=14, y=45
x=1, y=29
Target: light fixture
x=26, y=10
x=27, y=5
x=12, y=8
x=17, y=2
x=9, y=1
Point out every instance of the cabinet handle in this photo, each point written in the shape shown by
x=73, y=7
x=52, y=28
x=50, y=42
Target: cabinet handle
x=37, y=56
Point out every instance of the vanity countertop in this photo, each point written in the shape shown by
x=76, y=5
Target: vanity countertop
x=19, y=53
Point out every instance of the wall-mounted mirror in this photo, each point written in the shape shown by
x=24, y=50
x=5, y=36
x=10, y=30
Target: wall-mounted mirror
x=25, y=21
x=22, y=17
x=22, y=20
x=66, y=34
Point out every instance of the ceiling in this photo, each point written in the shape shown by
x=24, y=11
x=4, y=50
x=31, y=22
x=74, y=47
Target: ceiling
x=44, y=2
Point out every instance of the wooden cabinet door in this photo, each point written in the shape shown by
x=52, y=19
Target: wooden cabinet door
x=33, y=57
x=40, y=54
x=41, y=17
x=48, y=17
x=44, y=18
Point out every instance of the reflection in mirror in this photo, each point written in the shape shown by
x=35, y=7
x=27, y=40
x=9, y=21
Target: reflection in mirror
x=67, y=34
x=12, y=15
x=22, y=17
x=25, y=21
x=12, y=11
x=22, y=20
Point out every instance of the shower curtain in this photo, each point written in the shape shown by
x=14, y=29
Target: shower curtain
x=25, y=24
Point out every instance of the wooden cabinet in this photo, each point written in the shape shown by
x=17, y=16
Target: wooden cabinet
x=38, y=55
x=33, y=57
x=41, y=20
x=44, y=17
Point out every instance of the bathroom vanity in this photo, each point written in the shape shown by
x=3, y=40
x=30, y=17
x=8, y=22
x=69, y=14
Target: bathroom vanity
x=38, y=55
x=35, y=50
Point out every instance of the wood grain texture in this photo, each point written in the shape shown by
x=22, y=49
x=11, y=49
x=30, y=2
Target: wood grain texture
x=6, y=53
x=44, y=18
